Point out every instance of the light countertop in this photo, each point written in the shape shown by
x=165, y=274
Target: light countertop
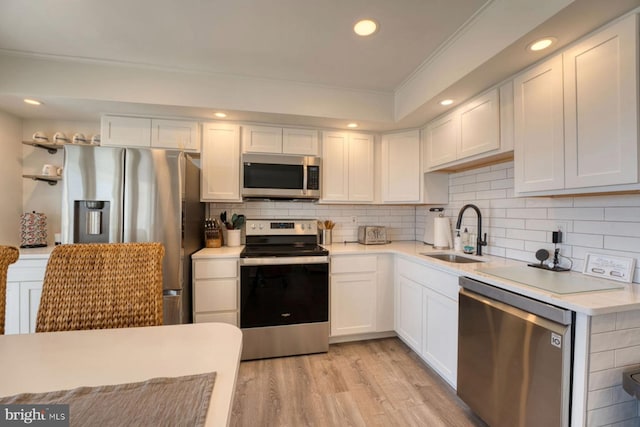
x=66, y=360
x=590, y=303
x=36, y=253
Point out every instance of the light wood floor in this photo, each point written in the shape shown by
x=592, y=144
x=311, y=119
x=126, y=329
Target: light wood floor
x=368, y=383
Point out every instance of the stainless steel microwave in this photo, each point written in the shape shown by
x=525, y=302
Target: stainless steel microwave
x=281, y=177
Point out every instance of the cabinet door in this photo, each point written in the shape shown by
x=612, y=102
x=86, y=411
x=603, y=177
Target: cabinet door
x=30, y=293
x=361, y=168
x=441, y=334
x=125, y=131
x=442, y=137
x=215, y=295
x=479, y=126
x=175, y=134
x=409, y=312
x=303, y=142
x=601, y=109
x=220, y=178
x=538, y=128
x=12, y=309
x=261, y=139
x=401, y=171
x=353, y=303
x=335, y=167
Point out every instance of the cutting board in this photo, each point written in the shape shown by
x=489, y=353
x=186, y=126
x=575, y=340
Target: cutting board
x=552, y=281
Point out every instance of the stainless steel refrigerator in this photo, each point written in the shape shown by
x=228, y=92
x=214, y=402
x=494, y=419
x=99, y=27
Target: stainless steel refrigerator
x=113, y=194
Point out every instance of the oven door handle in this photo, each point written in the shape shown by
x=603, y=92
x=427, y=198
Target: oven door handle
x=285, y=260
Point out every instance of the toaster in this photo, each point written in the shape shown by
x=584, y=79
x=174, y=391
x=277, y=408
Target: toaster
x=372, y=235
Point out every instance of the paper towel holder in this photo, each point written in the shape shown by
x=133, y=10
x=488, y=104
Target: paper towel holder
x=442, y=233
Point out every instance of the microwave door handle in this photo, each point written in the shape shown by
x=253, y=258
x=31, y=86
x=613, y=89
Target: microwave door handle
x=304, y=179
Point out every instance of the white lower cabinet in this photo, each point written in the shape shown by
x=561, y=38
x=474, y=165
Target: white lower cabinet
x=360, y=300
x=426, y=312
x=215, y=290
x=24, y=288
x=409, y=312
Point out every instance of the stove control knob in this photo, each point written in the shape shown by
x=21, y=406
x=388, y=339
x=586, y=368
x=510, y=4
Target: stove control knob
x=253, y=226
x=261, y=226
x=302, y=226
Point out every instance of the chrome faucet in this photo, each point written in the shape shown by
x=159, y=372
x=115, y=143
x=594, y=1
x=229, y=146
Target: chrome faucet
x=479, y=243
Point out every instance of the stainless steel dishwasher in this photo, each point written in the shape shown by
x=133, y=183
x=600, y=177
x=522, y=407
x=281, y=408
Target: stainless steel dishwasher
x=514, y=357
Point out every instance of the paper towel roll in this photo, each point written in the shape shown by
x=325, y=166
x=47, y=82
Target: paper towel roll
x=442, y=233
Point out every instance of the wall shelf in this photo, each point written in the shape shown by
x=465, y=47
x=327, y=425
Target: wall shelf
x=49, y=146
x=51, y=180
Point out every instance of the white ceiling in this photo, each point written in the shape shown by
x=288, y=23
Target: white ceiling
x=285, y=41
x=294, y=40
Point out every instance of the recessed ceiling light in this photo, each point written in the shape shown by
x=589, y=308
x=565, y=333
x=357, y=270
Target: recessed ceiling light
x=365, y=27
x=541, y=44
x=220, y=115
x=32, y=101
x=352, y=125
x=446, y=102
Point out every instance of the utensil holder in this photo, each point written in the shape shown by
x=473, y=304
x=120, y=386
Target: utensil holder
x=326, y=237
x=233, y=237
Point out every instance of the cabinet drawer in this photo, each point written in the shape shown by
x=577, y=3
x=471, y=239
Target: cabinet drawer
x=353, y=264
x=227, y=317
x=436, y=280
x=214, y=269
x=215, y=295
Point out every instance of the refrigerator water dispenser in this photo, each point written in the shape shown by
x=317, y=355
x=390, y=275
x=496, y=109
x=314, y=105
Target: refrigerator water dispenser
x=91, y=221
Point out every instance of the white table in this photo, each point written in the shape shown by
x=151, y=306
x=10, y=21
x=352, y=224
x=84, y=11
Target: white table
x=52, y=361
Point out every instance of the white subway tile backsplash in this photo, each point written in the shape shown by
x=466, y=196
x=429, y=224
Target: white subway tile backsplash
x=502, y=183
x=602, y=360
x=576, y=213
x=628, y=319
x=527, y=213
x=533, y=235
x=491, y=194
x=492, y=175
x=622, y=214
x=548, y=202
x=618, y=243
x=627, y=356
x=615, y=339
x=588, y=240
x=477, y=186
x=612, y=414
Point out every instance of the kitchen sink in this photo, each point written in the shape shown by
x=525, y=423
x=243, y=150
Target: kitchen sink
x=457, y=259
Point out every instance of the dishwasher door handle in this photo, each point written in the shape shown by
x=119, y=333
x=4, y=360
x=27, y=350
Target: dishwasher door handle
x=524, y=315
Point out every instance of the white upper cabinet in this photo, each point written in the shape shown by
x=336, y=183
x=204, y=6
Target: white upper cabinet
x=576, y=117
x=601, y=108
x=470, y=130
x=220, y=177
x=442, y=139
x=347, y=167
x=300, y=141
x=401, y=169
x=539, y=151
x=479, y=125
x=123, y=131
x=275, y=140
x=261, y=139
x=183, y=135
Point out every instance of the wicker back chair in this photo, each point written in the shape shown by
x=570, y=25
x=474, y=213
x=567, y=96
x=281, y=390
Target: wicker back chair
x=102, y=286
x=8, y=255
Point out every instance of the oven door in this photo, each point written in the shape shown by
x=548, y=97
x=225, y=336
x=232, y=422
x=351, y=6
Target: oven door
x=283, y=291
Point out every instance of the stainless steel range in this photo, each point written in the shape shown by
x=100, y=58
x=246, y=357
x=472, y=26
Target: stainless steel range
x=284, y=289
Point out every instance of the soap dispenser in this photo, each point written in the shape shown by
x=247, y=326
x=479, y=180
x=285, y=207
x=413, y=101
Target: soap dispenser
x=457, y=242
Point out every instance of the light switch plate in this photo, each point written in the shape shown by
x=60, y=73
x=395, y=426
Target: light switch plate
x=610, y=267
